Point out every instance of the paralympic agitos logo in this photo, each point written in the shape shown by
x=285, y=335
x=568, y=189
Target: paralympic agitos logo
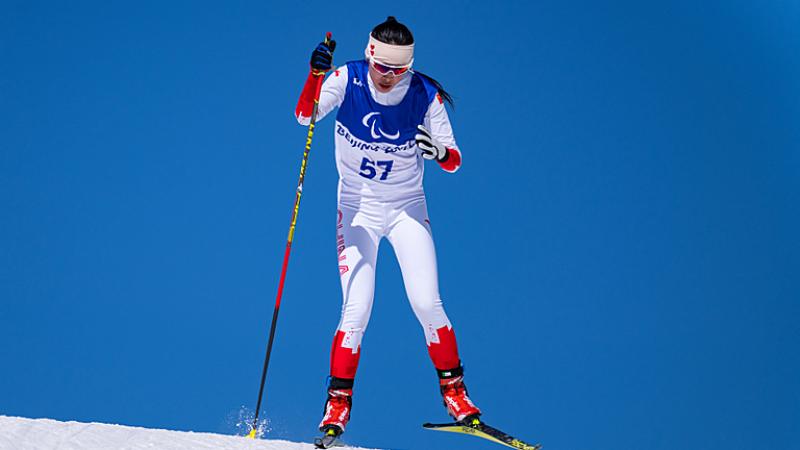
x=370, y=121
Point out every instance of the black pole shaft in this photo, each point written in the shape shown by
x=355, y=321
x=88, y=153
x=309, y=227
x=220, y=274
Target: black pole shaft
x=266, y=365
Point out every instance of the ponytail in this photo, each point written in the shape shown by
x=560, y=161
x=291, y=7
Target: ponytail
x=442, y=93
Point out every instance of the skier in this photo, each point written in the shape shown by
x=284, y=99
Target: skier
x=390, y=119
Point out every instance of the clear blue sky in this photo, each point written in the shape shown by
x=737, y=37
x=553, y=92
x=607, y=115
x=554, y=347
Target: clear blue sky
x=619, y=252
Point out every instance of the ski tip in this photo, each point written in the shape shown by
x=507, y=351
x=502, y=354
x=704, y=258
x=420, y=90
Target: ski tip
x=252, y=434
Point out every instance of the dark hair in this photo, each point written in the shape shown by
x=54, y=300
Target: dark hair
x=395, y=33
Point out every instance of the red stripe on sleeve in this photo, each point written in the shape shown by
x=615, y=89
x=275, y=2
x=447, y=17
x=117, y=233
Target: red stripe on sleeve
x=305, y=105
x=453, y=160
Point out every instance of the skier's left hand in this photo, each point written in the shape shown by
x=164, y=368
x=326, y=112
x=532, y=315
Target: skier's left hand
x=431, y=148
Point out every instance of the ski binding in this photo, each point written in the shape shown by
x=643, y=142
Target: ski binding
x=329, y=439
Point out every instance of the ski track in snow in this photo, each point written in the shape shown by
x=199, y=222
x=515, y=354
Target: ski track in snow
x=17, y=433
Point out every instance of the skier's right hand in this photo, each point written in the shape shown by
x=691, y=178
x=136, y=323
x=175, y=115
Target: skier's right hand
x=322, y=56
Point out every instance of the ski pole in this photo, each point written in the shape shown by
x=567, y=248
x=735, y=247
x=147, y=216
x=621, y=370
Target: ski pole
x=298, y=195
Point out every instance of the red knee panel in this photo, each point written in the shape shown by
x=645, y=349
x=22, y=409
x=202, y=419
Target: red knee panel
x=445, y=354
x=344, y=361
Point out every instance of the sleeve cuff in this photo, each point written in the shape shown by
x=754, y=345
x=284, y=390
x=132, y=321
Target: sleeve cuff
x=452, y=161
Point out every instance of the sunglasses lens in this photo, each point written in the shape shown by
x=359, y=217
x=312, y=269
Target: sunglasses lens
x=384, y=70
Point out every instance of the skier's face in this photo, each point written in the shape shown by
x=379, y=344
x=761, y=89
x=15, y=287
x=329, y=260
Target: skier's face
x=384, y=83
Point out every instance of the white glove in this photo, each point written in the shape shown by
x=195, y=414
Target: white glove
x=431, y=148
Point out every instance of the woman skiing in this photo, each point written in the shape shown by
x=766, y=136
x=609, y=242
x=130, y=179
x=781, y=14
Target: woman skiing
x=390, y=120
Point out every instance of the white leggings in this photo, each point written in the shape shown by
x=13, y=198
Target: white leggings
x=405, y=224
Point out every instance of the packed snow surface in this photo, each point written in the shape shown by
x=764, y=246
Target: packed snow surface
x=17, y=433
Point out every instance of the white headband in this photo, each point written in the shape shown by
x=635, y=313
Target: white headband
x=388, y=54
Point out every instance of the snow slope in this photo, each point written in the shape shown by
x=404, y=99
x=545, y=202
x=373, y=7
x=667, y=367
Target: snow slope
x=17, y=433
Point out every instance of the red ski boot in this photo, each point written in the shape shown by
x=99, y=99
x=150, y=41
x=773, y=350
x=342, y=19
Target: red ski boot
x=455, y=396
x=337, y=408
